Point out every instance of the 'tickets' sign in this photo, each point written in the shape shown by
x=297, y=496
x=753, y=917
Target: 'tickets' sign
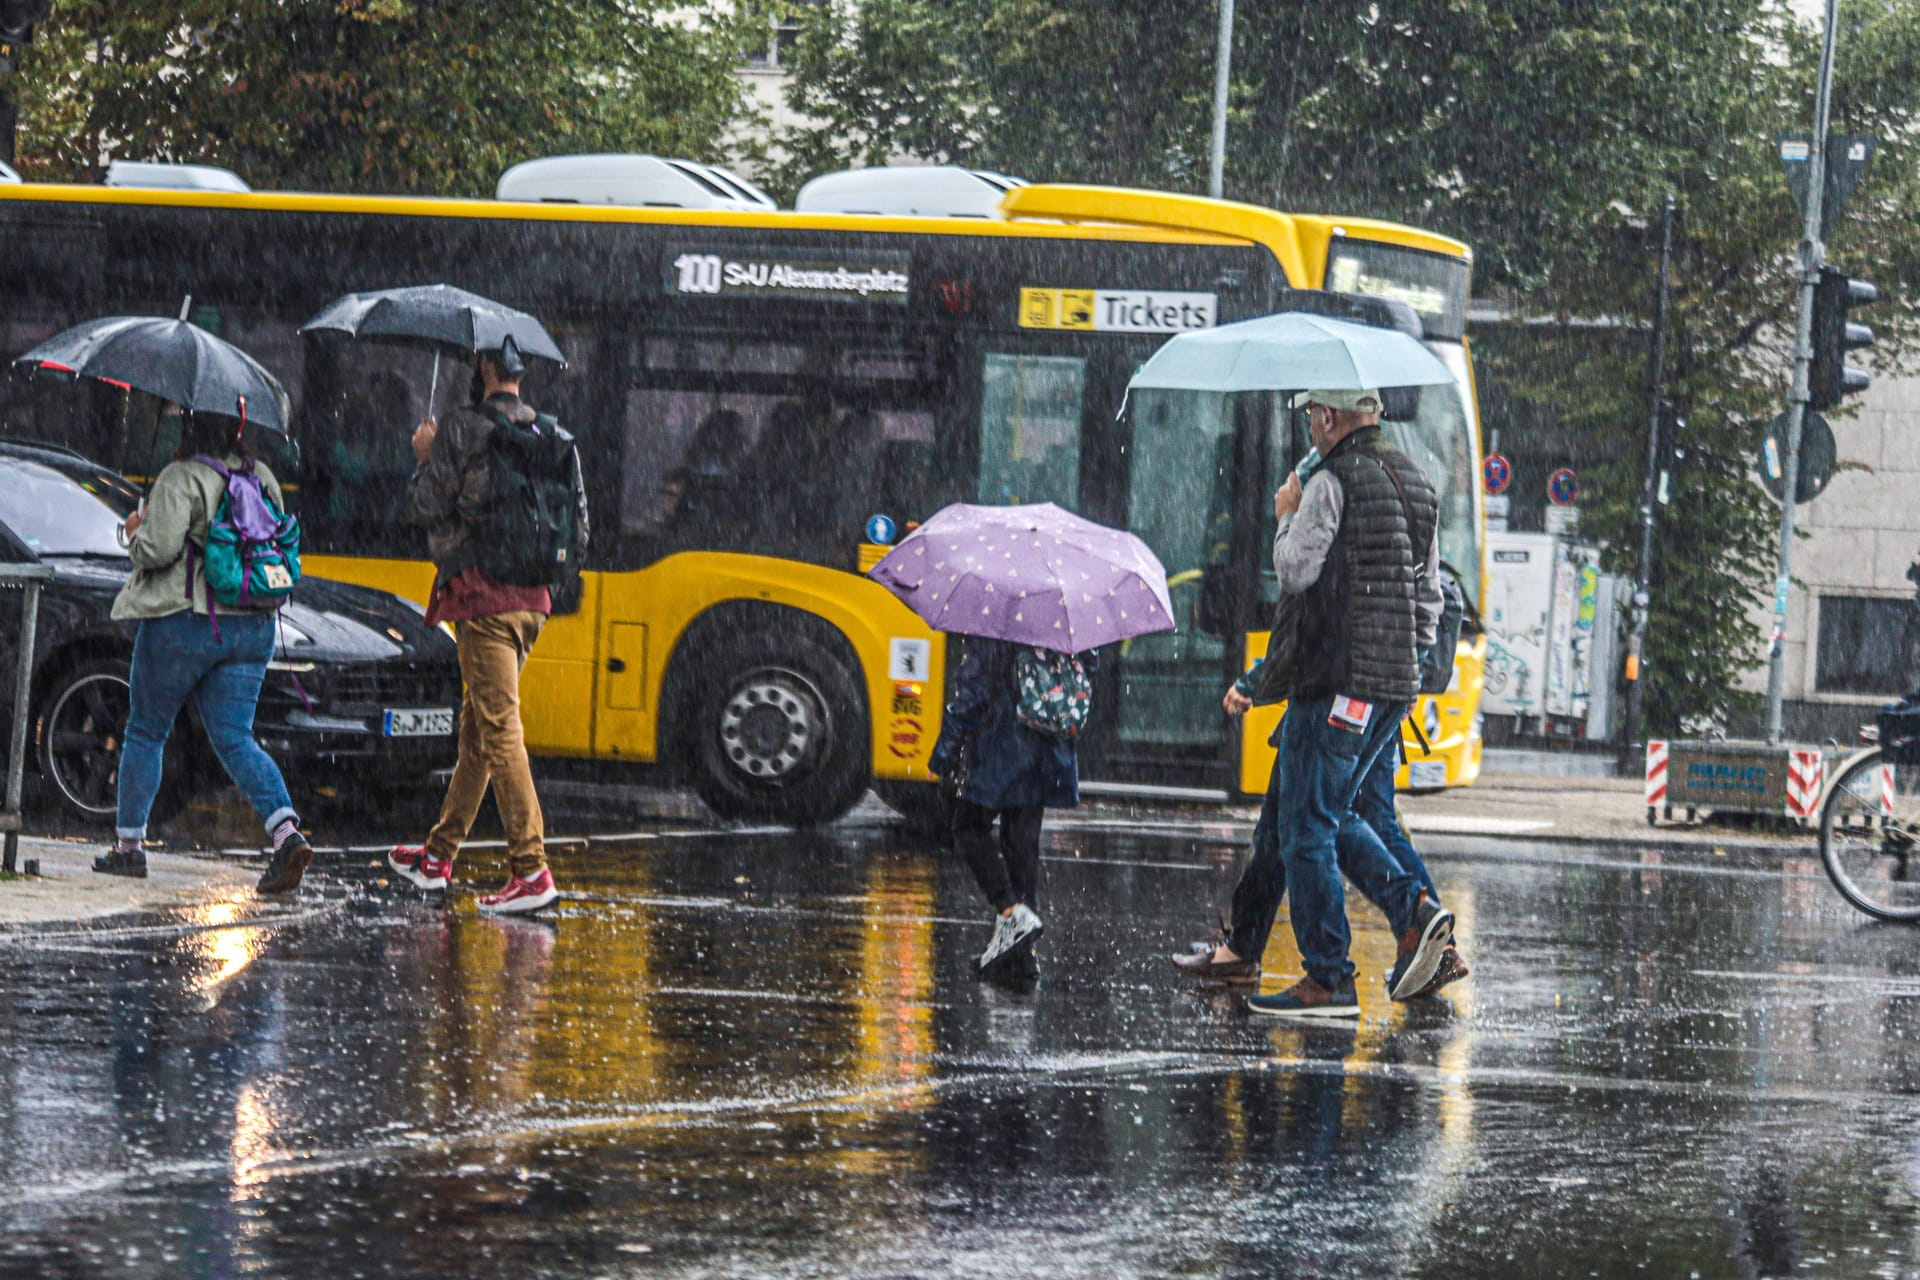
x=1116, y=310
x=871, y=277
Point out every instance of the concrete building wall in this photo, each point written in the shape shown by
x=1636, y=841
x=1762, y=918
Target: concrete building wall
x=1846, y=611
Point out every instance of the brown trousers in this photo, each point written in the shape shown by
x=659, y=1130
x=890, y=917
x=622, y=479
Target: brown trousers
x=493, y=750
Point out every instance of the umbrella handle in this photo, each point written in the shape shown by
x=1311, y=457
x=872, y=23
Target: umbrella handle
x=433, y=389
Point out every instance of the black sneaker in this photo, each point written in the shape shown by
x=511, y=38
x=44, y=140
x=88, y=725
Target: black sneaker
x=1420, y=948
x=286, y=866
x=131, y=863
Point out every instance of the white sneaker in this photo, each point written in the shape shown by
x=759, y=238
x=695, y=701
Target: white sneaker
x=1009, y=931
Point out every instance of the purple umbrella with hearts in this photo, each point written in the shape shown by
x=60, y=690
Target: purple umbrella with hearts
x=1032, y=574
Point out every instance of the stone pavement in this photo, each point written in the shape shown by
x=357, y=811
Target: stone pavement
x=1519, y=806
x=1586, y=809
x=68, y=888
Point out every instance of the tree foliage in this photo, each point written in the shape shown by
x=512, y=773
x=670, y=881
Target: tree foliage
x=1546, y=133
x=428, y=96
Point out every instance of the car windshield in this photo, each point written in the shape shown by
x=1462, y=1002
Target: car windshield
x=58, y=515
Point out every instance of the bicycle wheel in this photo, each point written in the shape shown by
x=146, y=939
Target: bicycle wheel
x=1870, y=837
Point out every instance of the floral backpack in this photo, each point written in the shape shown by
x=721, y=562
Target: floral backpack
x=1054, y=694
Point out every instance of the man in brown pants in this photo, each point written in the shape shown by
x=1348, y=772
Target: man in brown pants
x=496, y=624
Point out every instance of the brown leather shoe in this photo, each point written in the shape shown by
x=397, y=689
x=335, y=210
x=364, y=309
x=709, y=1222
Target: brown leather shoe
x=1452, y=968
x=1202, y=965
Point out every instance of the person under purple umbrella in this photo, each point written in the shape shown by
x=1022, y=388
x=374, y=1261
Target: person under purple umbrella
x=1031, y=592
x=1007, y=752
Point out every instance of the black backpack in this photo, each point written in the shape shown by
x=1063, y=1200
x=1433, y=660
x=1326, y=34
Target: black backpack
x=532, y=534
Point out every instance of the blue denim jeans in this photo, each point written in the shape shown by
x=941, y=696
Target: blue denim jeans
x=1374, y=805
x=1323, y=765
x=1364, y=854
x=177, y=659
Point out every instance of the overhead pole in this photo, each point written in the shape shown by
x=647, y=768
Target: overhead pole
x=1643, y=574
x=1812, y=257
x=1222, y=78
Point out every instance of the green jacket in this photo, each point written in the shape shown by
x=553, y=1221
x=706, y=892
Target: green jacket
x=179, y=509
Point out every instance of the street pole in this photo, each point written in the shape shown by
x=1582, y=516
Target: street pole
x=1643, y=575
x=1222, y=75
x=1812, y=256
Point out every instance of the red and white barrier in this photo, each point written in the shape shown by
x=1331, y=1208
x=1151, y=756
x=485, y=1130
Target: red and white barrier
x=1806, y=775
x=1656, y=773
x=1886, y=790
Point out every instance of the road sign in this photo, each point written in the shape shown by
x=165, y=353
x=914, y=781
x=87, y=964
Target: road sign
x=1847, y=156
x=1497, y=472
x=1818, y=454
x=1563, y=487
x=881, y=529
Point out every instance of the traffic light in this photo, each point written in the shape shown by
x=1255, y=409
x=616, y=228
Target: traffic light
x=1834, y=335
x=16, y=28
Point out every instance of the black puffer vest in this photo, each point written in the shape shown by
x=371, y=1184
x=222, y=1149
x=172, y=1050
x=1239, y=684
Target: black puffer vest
x=1353, y=630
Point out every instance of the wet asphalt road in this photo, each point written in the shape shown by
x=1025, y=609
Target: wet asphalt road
x=763, y=1054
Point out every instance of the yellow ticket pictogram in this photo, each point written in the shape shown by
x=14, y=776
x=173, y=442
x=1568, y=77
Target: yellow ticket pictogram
x=1056, y=308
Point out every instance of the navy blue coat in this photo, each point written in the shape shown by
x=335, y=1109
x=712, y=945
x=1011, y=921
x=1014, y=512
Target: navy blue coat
x=1011, y=765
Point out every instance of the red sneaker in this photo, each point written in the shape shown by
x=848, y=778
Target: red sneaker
x=521, y=895
x=419, y=868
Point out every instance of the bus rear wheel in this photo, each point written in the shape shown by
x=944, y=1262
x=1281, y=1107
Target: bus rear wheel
x=781, y=733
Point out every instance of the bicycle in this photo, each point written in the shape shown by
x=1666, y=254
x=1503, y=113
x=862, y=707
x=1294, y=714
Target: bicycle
x=1870, y=819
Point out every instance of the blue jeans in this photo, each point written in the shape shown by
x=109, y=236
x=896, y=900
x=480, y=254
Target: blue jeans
x=176, y=659
x=1364, y=853
x=1324, y=765
x=1374, y=805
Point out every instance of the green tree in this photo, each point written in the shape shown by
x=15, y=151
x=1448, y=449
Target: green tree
x=1546, y=133
x=426, y=96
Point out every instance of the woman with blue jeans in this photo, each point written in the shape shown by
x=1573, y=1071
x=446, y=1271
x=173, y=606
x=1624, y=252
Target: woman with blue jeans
x=181, y=654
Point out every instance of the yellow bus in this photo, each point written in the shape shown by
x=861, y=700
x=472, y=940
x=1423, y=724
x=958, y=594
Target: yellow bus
x=759, y=395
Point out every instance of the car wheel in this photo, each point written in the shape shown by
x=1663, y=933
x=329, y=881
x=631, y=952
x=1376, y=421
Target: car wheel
x=81, y=723
x=781, y=733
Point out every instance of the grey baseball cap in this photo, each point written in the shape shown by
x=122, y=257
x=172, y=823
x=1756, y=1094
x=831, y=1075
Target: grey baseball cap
x=1363, y=401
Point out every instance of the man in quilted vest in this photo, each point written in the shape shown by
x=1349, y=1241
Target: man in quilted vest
x=1357, y=558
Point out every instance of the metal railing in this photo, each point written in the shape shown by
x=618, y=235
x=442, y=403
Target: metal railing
x=29, y=576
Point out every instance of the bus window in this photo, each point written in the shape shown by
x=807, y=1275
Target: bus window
x=1030, y=417
x=356, y=438
x=772, y=447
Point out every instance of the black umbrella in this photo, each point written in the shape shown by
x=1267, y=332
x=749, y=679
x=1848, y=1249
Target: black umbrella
x=171, y=359
x=439, y=315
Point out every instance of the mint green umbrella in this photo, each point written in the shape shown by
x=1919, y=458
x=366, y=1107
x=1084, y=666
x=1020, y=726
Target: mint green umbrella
x=1291, y=351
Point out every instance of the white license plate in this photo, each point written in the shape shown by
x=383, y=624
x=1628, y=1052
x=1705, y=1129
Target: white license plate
x=1423, y=775
x=417, y=723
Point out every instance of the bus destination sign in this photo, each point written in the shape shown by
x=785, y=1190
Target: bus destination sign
x=1116, y=310
x=870, y=277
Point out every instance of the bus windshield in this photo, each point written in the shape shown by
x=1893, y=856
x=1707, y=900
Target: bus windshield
x=1440, y=438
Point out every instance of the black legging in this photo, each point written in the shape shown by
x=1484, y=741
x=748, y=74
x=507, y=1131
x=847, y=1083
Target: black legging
x=1008, y=870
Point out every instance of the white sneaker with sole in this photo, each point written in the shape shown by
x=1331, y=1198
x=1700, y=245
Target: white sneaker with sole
x=1009, y=931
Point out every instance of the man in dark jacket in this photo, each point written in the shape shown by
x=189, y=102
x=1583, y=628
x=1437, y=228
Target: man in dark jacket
x=1356, y=555
x=496, y=625
x=1001, y=769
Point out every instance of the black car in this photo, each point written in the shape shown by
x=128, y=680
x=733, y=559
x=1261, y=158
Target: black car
x=361, y=692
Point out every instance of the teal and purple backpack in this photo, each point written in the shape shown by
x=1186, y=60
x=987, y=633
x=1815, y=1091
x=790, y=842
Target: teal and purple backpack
x=252, y=556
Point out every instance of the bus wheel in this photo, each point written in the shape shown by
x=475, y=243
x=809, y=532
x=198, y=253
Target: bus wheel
x=782, y=734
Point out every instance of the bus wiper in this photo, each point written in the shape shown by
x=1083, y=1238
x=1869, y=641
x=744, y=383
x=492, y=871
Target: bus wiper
x=100, y=556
